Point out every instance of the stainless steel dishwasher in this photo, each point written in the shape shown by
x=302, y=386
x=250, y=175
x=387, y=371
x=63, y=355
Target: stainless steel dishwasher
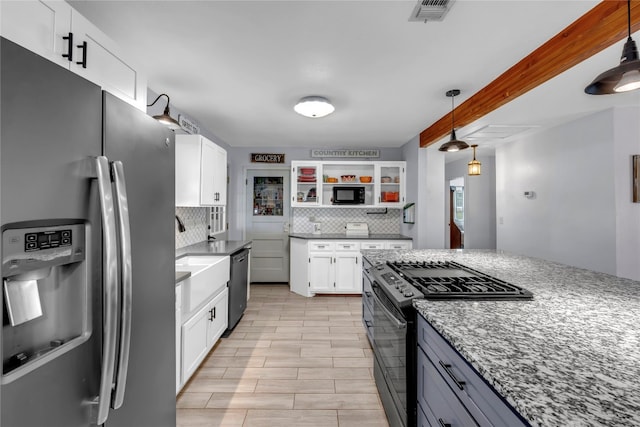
x=238, y=286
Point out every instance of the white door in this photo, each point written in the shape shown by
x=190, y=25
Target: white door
x=267, y=224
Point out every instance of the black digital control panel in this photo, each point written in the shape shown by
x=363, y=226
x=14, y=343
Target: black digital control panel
x=47, y=240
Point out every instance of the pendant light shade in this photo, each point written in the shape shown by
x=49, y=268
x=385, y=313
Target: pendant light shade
x=314, y=107
x=165, y=118
x=453, y=144
x=474, y=165
x=626, y=76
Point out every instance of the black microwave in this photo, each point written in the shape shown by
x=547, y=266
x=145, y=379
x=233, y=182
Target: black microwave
x=348, y=195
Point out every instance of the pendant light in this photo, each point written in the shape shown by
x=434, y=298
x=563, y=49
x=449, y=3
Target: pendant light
x=314, y=107
x=453, y=144
x=626, y=76
x=474, y=165
x=165, y=118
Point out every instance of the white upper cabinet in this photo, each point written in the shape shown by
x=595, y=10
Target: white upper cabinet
x=54, y=30
x=313, y=183
x=390, y=183
x=305, y=181
x=201, y=172
x=38, y=26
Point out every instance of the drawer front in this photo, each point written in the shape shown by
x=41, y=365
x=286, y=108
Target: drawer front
x=347, y=246
x=320, y=246
x=440, y=404
x=480, y=399
x=399, y=245
x=371, y=245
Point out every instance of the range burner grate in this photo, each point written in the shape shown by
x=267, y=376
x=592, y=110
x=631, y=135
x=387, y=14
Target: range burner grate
x=449, y=280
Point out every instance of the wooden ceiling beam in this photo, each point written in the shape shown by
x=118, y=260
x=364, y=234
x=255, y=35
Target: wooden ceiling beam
x=594, y=31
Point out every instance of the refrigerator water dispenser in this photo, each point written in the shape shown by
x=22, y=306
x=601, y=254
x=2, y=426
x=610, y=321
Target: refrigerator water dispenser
x=46, y=276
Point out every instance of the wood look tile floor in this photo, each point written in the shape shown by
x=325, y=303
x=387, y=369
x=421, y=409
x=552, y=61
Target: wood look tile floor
x=290, y=361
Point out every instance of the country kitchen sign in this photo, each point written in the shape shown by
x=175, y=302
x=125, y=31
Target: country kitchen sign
x=267, y=158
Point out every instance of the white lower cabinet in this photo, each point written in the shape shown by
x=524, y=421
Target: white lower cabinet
x=332, y=266
x=178, y=338
x=321, y=272
x=386, y=244
x=348, y=268
x=201, y=332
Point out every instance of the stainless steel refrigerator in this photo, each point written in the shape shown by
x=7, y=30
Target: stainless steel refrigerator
x=88, y=253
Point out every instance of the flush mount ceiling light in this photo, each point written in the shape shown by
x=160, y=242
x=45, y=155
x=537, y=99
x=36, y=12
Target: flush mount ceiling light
x=314, y=107
x=474, y=165
x=626, y=76
x=165, y=118
x=453, y=144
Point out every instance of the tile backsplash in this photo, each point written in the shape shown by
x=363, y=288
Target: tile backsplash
x=195, y=221
x=333, y=220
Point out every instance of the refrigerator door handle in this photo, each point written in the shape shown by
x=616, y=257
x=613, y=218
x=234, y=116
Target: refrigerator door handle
x=124, y=231
x=110, y=288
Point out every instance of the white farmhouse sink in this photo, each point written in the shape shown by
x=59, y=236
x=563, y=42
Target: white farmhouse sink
x=209, y=276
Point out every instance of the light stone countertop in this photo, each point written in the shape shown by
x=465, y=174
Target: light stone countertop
x=569, y=357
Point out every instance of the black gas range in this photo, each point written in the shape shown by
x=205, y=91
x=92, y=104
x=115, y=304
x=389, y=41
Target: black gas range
x=444, y=280
x=388, y=314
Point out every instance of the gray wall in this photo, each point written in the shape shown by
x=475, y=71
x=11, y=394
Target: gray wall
x=582, y=214
x=425, y=177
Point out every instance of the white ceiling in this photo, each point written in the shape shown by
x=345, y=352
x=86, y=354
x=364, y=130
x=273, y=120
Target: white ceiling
x=238, y=67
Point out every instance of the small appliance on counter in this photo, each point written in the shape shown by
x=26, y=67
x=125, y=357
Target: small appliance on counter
x=357, y=229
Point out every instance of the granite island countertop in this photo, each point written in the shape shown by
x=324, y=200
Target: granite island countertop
x=213, y=248
x=569, y=357
x=343, y=236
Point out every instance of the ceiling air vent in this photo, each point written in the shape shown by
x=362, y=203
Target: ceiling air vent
x=431, y=10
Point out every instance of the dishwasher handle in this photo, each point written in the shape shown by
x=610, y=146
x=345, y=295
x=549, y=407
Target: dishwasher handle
x=239, y=256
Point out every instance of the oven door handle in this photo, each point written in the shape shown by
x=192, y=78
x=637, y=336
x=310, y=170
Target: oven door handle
x=400, y=324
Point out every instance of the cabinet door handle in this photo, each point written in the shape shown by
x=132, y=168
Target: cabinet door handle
x=69, y=54
x=83, y=46
x=442, y=423
x=447, y=369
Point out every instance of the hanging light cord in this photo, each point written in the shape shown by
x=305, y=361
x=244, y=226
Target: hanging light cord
x=629, y=19
x=452, y=121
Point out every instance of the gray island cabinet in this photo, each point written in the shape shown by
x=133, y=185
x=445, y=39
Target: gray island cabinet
x=568, y=357
x=450, y=392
